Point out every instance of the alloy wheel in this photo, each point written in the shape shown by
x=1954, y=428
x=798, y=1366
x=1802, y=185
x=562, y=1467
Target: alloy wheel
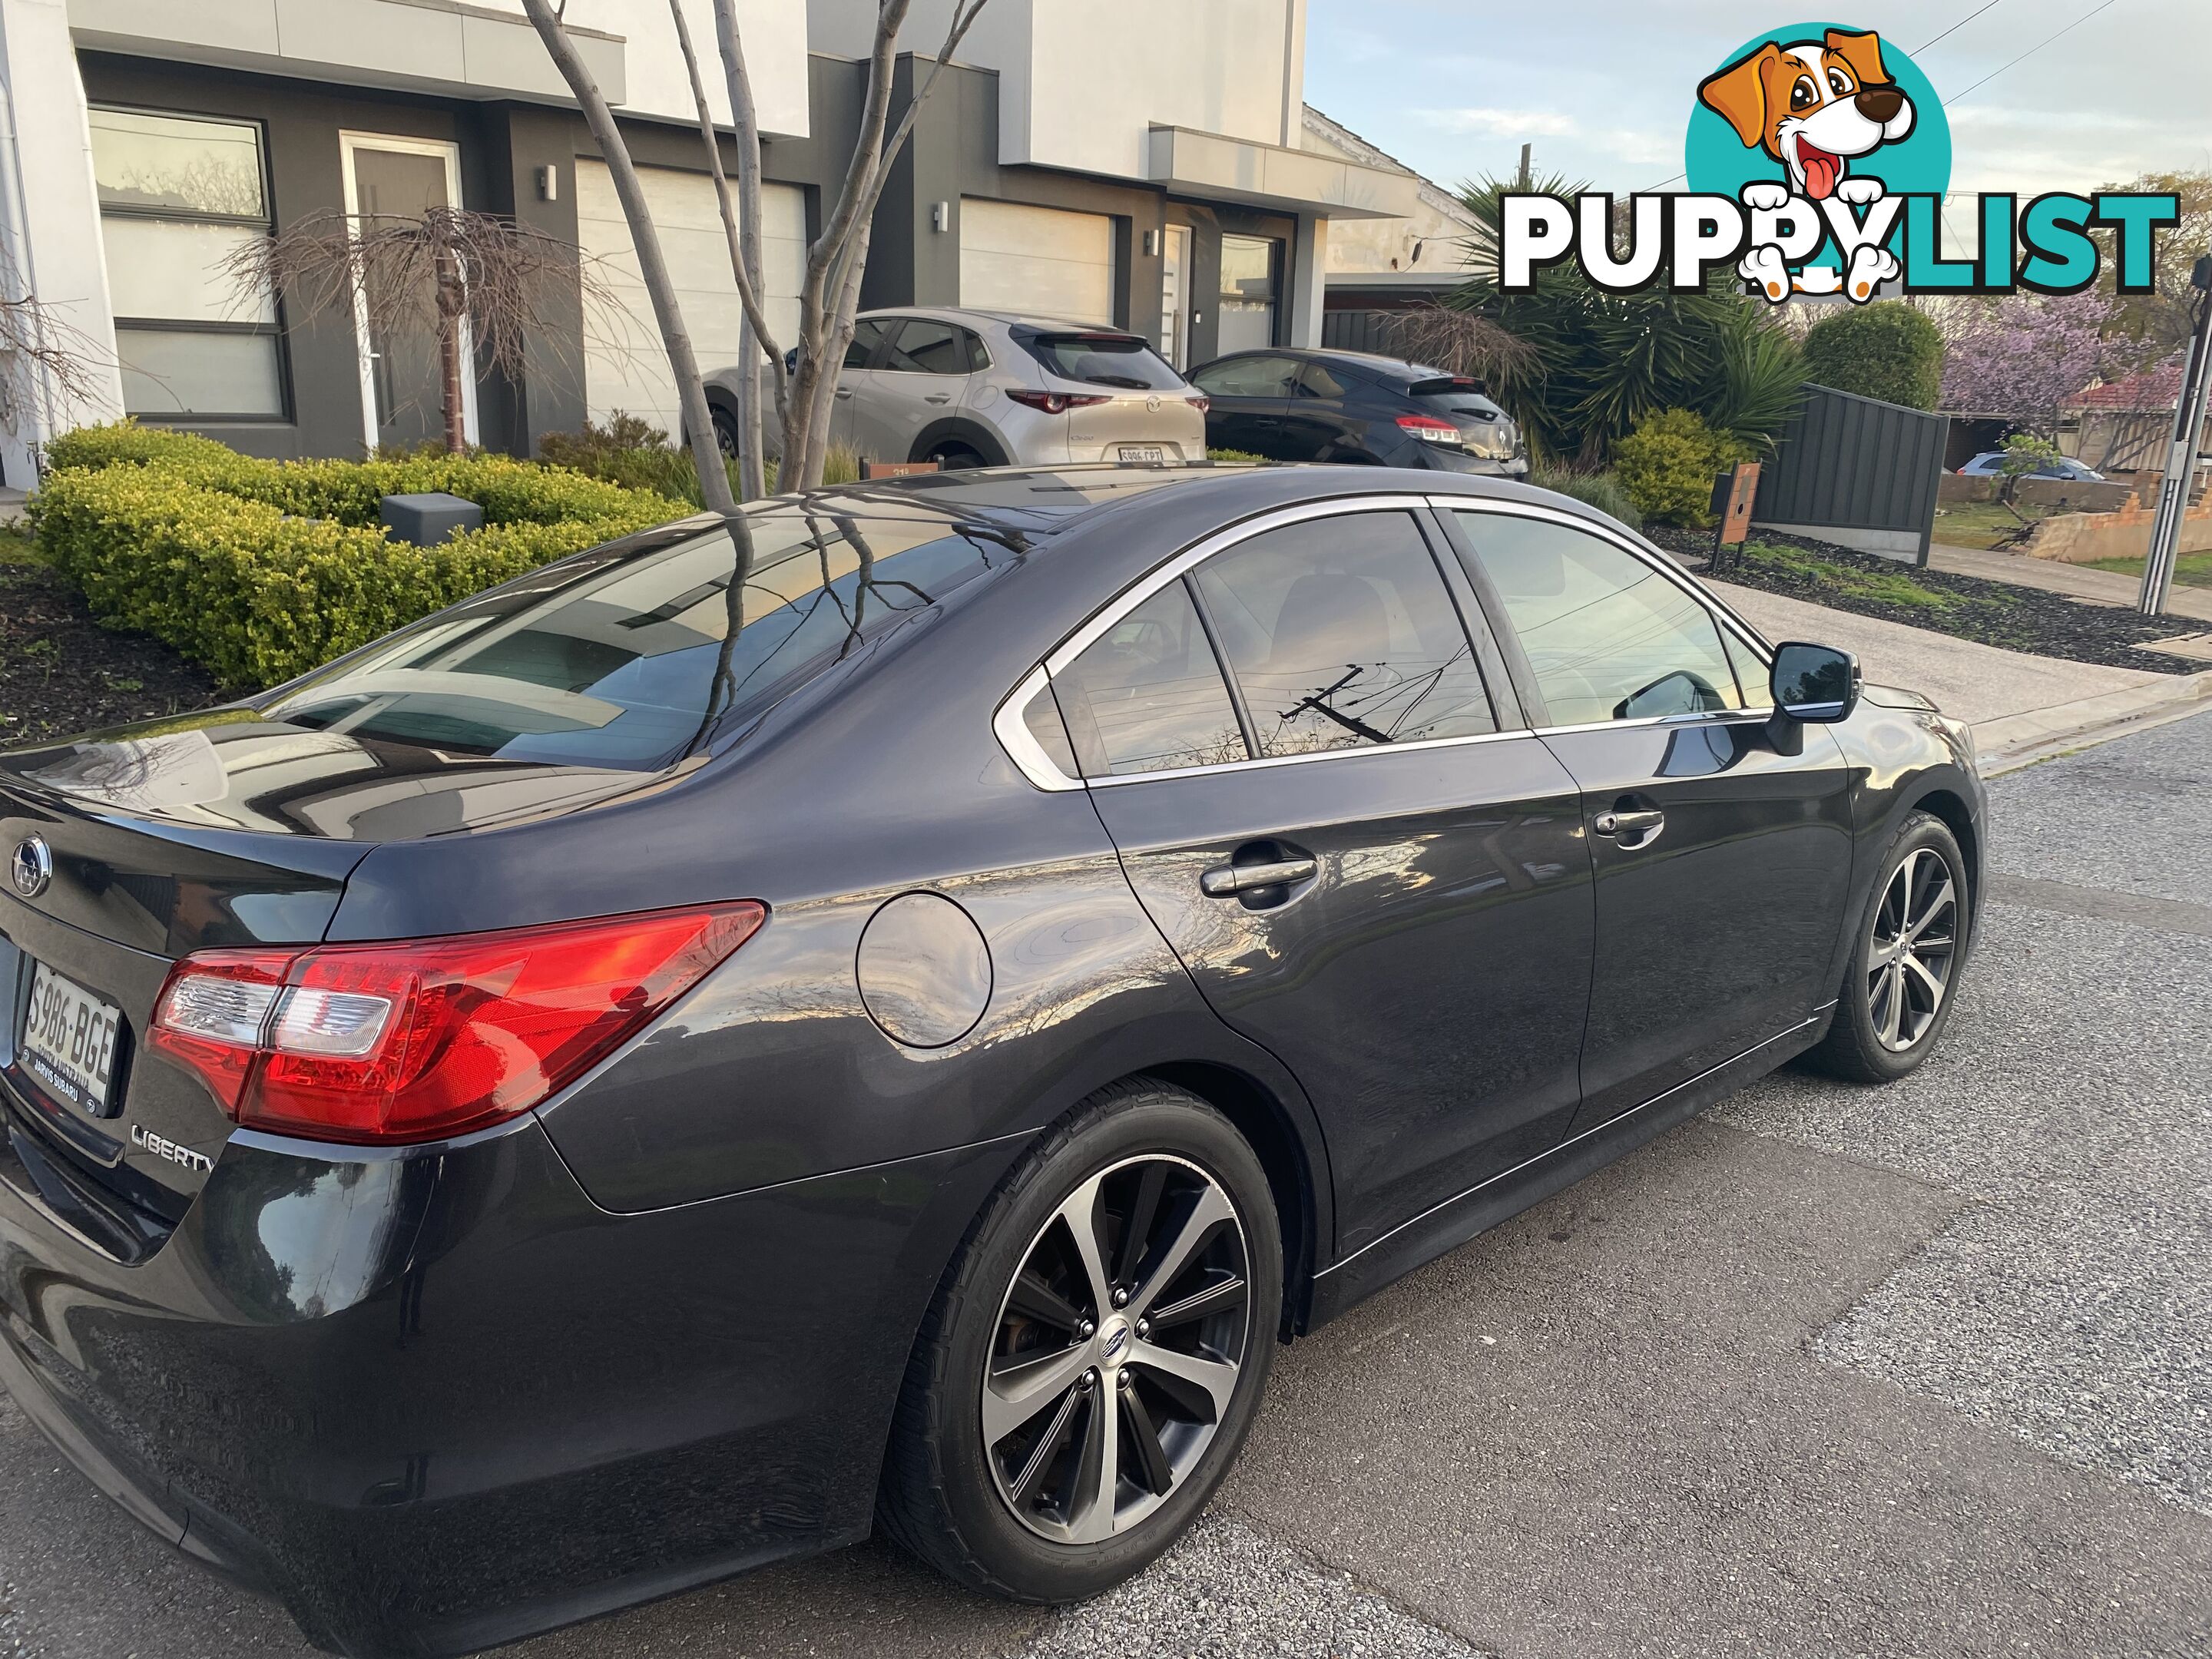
x=1118, y=1349
x=1914, y=942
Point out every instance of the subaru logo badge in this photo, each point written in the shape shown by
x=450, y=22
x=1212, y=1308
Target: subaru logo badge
x=1116, y=1341
x=32, y=867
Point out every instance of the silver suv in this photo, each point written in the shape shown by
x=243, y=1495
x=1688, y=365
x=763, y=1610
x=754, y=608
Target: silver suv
x=985, y=388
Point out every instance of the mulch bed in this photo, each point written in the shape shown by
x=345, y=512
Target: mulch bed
x=1965, y=607
x=62, y=674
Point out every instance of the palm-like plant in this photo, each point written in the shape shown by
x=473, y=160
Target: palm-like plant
x=1601, y=362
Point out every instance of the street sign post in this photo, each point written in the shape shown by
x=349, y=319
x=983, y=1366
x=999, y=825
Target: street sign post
x=2181, y=455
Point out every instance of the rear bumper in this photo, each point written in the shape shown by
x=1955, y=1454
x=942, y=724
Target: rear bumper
x=439, y=1399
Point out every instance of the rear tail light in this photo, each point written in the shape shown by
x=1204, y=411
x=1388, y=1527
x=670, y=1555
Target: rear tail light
x=1430, y=429
x=1058, y=403
x=419, y=1039
x=1199, y=401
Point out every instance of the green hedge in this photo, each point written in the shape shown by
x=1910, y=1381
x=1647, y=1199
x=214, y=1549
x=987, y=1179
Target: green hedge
x=261, y=570
x=1666, y=465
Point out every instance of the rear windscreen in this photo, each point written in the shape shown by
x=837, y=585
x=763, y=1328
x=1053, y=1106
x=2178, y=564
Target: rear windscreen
x=629, y=662
x=1117, y=360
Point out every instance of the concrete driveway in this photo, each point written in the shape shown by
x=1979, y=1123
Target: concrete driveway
x=1921, y=1370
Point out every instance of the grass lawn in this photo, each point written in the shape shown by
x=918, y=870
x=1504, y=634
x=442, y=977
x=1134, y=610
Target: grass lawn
x=2191, y=569
x=1978, y=524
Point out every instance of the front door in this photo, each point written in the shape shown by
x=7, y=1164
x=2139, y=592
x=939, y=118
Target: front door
x=849, y=427
x=390, y=183
x=1722, y=844
x=1175, y=296
x=1393, y=897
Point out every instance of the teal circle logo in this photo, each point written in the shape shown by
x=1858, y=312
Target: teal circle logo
x=1819, y=95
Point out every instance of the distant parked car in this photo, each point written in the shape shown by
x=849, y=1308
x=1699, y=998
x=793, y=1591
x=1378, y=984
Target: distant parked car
x=1353, y=406
x=987, y=388
x=1990, y=465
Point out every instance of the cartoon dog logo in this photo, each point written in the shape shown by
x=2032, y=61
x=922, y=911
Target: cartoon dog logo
x=1814, y=105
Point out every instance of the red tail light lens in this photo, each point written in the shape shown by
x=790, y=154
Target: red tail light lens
x=1058, y=403
x=1199, y=401
x=1430, y=429
x=420, y=1039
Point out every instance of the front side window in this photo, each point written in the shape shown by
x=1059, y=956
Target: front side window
x=928, y=347
x=867, y=335
x=1342, y=635
x=178, y=196
x=1608, y=637
x=1149, y=695
x=1248, y=377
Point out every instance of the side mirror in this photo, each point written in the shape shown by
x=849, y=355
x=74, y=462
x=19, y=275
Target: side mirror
x=791, y=361
x=1817, y=684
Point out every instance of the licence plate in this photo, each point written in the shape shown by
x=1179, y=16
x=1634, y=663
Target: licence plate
x=1143, y=452
x=68, y=1040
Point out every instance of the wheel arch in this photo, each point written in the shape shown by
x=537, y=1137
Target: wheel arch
x=964, y=430
x=1958, y=818
x=1297, y=1179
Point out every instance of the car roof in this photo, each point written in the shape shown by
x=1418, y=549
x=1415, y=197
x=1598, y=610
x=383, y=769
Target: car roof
x=1037, y=502
x=1005, y=319
x=1375, y=362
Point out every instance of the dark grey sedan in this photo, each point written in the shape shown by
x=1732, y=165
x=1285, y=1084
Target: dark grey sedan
x=889, y=1015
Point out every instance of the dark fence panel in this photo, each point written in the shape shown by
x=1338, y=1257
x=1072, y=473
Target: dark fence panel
x=1357, y=331
x=1864, y=469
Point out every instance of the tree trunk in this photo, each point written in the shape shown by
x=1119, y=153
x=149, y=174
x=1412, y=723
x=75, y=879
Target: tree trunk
x=451, y=304
x=652, y=266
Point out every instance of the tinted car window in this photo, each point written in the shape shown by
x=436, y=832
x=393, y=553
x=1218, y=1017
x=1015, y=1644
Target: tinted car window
x=1318, y=381
x=1609, y=637
x=1150, y=695
x=928, y=347
x=979, y=356
x=1120, y=359
x=1341, y=633
x=867, y=333
x=1247, y=377
x=613, y=662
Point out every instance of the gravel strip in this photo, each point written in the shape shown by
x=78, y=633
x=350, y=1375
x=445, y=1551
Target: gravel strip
x=1228, y=1591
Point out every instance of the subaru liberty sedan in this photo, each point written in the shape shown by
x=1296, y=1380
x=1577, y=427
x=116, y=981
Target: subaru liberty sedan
x=885, y=1014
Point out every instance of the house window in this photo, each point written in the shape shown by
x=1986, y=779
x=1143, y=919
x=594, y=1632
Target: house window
x=1246, y=311
x=179, y=195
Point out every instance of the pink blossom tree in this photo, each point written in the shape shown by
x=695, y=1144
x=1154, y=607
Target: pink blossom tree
x=2020, y=356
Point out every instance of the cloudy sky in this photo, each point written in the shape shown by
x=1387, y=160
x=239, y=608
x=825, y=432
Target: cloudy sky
x=1603, y=87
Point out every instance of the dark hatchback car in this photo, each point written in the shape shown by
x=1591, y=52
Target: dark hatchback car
x=644, y=1073
x=1359, y=409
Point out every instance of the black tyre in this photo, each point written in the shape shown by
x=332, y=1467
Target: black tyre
x=955, y=456
x=725, y=434
x=1094, y=1357
x=1897, y=992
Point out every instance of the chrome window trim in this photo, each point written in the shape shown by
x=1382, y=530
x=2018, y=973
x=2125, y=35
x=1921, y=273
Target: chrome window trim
x=1013, y=732
x=1022, y=747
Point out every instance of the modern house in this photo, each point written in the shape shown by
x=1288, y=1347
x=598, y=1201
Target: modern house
x=1148, y=163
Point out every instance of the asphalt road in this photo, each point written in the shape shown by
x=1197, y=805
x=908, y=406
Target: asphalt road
x=1918, y=1371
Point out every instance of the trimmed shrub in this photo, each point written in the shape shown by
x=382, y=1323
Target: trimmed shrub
x=261, y=570
x=1235, y=457
x=1601, y=490
x=1667, y=462
x=1887, y=351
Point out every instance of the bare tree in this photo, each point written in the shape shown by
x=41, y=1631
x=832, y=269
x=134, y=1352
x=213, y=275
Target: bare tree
x=47, y=365
x=652, y=263
x=1459, y=342
x=478, y=282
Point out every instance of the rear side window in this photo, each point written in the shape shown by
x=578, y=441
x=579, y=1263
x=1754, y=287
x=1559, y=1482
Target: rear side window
x=1342, y=634
x=929, y=348
x=1319, y=381
x=1116, y=360
x=1608, y=637
x=1149, y=695
x=1248, y=377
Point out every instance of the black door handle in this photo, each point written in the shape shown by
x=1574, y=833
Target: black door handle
x=1630, y=826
